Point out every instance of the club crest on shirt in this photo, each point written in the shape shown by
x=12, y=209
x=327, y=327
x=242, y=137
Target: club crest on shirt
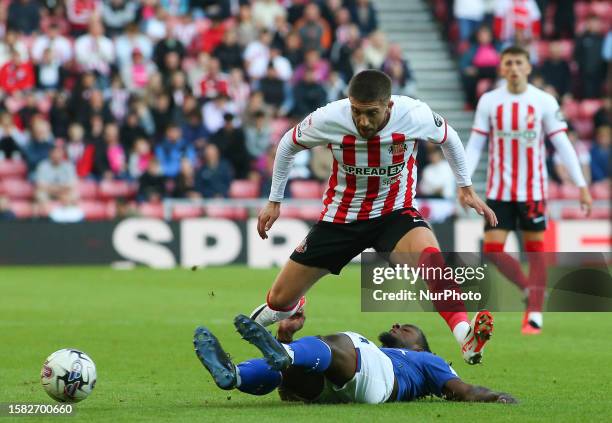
x=399, y=148
x=305, y=124
x=559, y=115
x=437, y=119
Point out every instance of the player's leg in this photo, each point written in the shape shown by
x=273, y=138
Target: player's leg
x=495, y=240
x=536, y=284
x=252, y=377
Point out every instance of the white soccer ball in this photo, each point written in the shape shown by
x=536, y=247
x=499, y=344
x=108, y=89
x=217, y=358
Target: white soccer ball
x=68, y=375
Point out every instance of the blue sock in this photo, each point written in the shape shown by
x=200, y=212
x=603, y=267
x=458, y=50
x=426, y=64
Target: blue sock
x=312, y=353
x=257, y=378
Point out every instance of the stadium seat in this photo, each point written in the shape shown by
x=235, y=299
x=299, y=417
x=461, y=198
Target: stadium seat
x=278, y=127
x=601, y=190
x=589, y=107
x=554, y=191
x=18, y=189
x=184, y=211
x=584, y=128
x=572, y=213
x=88, y=189
x=603, y=213
x=567, y=49
x=94, y=210
x=155, y=210
x=237, y=213
x=543, y=50
x=570, y=192
x=603, y=9
x=291, y=212
x=305, y=189
x=13, y=169
x=571, y=109
x=244, y=188
x=310, y=213
x=114, y=189
x=581, y=10
x=22, y=209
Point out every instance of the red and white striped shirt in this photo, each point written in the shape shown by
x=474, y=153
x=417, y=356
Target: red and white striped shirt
x=516, y=125
x=371, y=177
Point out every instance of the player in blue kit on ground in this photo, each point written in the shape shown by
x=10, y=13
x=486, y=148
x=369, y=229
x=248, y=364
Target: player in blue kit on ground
x=340, y=368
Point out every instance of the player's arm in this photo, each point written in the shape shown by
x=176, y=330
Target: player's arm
x=458, y=390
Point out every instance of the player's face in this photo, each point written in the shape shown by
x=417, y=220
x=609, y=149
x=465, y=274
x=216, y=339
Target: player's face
x=369, y=117
x=402, y=336
x=515, y=68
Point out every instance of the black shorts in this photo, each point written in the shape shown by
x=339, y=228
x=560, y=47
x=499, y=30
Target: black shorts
x=332, y=245
x=530, y=216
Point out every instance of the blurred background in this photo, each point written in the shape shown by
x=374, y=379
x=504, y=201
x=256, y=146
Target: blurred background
x=171, y=109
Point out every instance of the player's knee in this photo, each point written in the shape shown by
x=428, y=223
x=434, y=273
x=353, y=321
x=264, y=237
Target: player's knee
x=279, y=300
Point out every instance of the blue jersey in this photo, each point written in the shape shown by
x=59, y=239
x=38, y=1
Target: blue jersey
x=418, y=374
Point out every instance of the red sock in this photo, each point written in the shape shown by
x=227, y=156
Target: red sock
x=507, y=265
x=453, y=312
x=537, y=274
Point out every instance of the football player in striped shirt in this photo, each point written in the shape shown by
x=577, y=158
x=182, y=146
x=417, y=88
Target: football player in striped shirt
x=515, y=118
x=372, y=136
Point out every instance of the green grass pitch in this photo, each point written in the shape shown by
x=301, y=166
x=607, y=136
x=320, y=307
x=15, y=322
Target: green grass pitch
x=137, y=326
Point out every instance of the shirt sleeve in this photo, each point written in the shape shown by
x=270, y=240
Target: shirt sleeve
x=311, y=131
x=437, y=373
x=482, y=118
x=431, y=126
x=552, y=117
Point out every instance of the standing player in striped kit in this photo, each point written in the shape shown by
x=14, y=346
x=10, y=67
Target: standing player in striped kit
x=373, y=137
x=515, y=118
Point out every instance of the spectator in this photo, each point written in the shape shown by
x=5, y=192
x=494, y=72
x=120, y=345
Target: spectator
x=59, y=115
x=6, y=214
x=56, y=16
x=163, y=114
x=275, y=91
x=308, y=95
x=437, y=179
x=214, y=82
x=124, y=209
x=131, y=40
x=265, y=13
x=238, y=90
x=213, y=112
x=194, y=132
x=211, y=37
x=12, y=139
x=257, y=55
x=479, y=62
x=556, y=71
x=293, y=49
x=95, y=52
x=600, y=155
x=152, y=184
x=131, y=130
x=314, y=30
x=169, y=45
x=185, y=182
x=16, y=75
x=602, y=115
x=364, y=15
x=258, y=136
x=343, y=24
x=469, y=15
x=48, y=72
x=117, y=14
x=376, y=49
x=176, y=7
x=341, y=54
x=61, y=48
x=41, y=143
x=564, y=19
x=398, y=70
x=587, y=53
x=9, y=45
x=516, y=15
x=140, y=157
x=136, y=74
x=55, y=179
x=314, y=63
x=584, y=158
x=80, y=14
x=172, y=150
x=24, y=16
x=229, y=51
x=80, y=152
x=67, y=211
x=214, y=177
x=230, y=141
x=281, y=64
x=247, y=31
x=336, y=88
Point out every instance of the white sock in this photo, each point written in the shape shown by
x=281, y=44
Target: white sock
x=460, y=331
x=536, y=317
x=289, y=351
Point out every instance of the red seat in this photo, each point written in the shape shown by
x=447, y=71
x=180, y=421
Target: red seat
x=571, y=109
x=570, y=192
x=572, y=213
x=567, y=49
x=155, y=210
x=88, y=189
x=115, y=189
x=236, y=213
x=184, y=211
x=310, y=212
x=543, y=50
x=581, y=9
x=244, y=188
x=95, y=210
x=291, y=212
x=601, y=190
x=602, y=9
x=22, y=209
x=589, y=107
x=554, y=191
x=601, y=213
x=13, y=169
x=18, y=189
x=305, y=189
x=584, y=128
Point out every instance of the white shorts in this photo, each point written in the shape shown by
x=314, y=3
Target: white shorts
x=373, y=380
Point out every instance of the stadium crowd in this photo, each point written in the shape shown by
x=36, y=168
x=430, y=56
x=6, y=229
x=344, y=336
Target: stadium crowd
x=570, y=44
x=107, y=101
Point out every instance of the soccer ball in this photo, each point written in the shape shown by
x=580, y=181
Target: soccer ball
x=68, y=375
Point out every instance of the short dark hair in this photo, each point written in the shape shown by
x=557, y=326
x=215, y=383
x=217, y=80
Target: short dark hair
x=515, y=50
x=370, y=85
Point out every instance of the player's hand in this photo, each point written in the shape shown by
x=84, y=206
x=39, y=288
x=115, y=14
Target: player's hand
x=288, y=327
x=468, y=198
x=267, y=217
x=586, y=202
x=506, y=399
